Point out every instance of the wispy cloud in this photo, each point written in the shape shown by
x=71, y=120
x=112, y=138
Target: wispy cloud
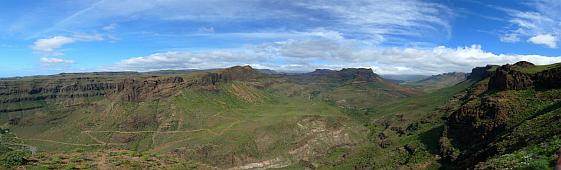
x=376, y=20
x=54, y=61
x=510, y=38
x=541, y=25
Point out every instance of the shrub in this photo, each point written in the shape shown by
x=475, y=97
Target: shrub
x=539, y=164
x=14, y=158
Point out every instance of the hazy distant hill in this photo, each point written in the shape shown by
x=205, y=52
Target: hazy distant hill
x=404, y=78
x=438, y=81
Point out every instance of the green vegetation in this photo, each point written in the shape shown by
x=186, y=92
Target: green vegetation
x=539, y=68
x=536, y=156
x=320, y=121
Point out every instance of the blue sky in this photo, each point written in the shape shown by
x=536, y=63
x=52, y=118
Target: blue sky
x=392, y=37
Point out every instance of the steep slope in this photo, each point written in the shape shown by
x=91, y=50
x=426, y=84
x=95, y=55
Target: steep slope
x=513, y=107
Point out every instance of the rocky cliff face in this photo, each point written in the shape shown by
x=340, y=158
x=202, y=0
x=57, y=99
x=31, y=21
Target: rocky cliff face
x=44, y=89
x=137, y=90
x=17, y=95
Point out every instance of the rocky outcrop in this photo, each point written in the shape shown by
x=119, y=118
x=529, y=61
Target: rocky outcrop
x=508, y=78
x=480, y=120
x=138, y=90
x=359, y=74
x=548, y=79
x=240, y=73
x=479, y=73
x=511, y=77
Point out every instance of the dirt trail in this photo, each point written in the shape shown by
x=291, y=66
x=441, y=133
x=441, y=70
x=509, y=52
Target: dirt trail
x=267, y=164
x=64, y=143
x=94, y=138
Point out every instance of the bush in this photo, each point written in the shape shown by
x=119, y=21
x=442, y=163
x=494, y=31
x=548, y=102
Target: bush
x=539, y=164
x=14, y=158
x=4, y=149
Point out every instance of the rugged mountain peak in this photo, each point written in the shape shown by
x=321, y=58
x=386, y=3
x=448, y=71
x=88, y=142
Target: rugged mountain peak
x=239, y=73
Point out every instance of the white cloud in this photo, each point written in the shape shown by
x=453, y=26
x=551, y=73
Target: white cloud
x=295, y=56
x=544, y=39
x=49, y=46
x=52, y=61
